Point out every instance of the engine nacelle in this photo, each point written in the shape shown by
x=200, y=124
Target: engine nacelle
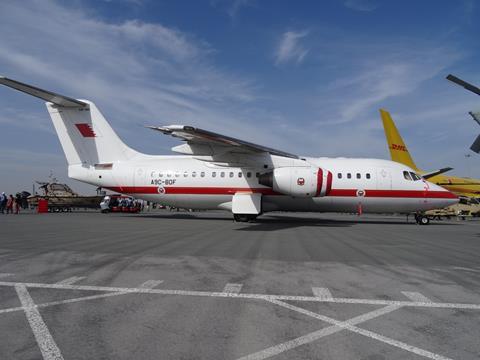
x=298, y=181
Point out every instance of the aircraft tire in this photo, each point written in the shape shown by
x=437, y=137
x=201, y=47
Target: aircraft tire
x=423, y=220
x=244, y=217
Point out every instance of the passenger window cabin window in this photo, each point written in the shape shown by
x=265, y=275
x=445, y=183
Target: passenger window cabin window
x=339, y=175
x=407, y=176
x=214, y=174
x=359, y=176
x=239, y=174
x=202, y=174
x=177, y=173
x=185, y=174
x=194, y=173
x=249, y=174
x=367, y=176
x=169, y=174
x=231, y=174
x=349, y=176
x=222, y=174
x=160, y=174
x=257, y=174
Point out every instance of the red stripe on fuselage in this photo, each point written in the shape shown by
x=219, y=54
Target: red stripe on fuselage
x=175, y=190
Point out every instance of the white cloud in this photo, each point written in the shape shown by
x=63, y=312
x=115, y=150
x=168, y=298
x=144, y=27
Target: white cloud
x=290, y=49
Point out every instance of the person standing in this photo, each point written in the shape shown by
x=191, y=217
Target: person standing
x=10, y=203
x=3, y=202
x=18, y=203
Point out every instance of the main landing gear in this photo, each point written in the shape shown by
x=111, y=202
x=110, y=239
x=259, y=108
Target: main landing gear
x=422, y=219
x=244, y=217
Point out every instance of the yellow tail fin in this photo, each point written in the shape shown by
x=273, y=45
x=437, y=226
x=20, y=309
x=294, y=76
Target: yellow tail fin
x=398, y=149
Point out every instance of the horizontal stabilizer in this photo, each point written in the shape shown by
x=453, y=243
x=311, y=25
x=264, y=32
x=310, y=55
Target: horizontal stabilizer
x=436, y=172
x=475, y=116
x=464, y=84
x=476, y=145
x=49, y=96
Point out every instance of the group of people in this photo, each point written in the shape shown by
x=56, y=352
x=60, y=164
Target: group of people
x=10, y=204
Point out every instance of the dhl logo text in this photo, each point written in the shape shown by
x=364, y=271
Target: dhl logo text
x=398, y=147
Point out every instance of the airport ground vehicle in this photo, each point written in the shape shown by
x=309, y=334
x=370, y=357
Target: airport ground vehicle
x=61, y=198
x=466, y=208
x=221, y=172
x=119, y=203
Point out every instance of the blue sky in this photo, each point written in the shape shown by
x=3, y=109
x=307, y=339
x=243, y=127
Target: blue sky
x=306, y=77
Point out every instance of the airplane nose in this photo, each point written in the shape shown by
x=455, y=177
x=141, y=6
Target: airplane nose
x=441, y=196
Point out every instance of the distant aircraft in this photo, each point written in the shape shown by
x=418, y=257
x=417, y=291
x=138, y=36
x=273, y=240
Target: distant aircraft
x=475, y=115
x=462, y=186
x=221, y=172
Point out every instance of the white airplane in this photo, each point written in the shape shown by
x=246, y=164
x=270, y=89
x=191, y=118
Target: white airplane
x=220, y=172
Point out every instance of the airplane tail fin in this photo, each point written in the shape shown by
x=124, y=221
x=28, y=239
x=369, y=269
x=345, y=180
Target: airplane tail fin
x=86, y=137
x=398, y=149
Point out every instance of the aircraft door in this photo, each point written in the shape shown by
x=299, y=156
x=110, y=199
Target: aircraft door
x=140, y=176
x=384, y=179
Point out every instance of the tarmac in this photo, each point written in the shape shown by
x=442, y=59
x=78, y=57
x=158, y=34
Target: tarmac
x=168, y=285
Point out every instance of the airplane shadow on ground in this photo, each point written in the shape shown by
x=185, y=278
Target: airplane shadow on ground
x=279, y=222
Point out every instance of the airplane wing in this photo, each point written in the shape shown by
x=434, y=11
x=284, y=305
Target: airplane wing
x=464, y=84
x=203, y=142
x=49, y=96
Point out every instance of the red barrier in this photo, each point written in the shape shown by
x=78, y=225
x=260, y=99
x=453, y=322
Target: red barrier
x=42, y=206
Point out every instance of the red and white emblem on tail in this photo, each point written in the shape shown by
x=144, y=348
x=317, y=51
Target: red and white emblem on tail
x=86, y=130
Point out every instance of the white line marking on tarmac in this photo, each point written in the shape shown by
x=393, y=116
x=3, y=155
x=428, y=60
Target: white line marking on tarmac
x=416, y=296
x=71, y=280
x=316, y=335
x=367, y=333
x=150, y=284
x=47, y=345
x=232, y=288
x=321, y=292
x=2, y=275
x=248, y=296
x=68, y=301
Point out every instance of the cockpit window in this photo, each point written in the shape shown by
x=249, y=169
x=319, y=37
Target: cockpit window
x=415, y=177
x=406, y=175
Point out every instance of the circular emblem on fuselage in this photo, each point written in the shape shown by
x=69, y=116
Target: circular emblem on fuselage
x=360, y=193
x=161, y=190
x=301, y=181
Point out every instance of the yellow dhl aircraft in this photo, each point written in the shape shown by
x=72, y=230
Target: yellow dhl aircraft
x=461, y=186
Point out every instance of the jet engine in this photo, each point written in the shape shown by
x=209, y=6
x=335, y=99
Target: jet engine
x=298, y=181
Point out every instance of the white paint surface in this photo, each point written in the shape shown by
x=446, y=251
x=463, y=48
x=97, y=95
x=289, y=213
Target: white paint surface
x=321, y=292
x=232, y=288
x=47, y=345
x=71, y=280
x=416, y=296
x=367, y=333
x=316, y=335
x=150, y=284
x=439, y=305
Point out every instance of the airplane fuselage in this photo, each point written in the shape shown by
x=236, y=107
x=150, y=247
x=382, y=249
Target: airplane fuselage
x=358, y=185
